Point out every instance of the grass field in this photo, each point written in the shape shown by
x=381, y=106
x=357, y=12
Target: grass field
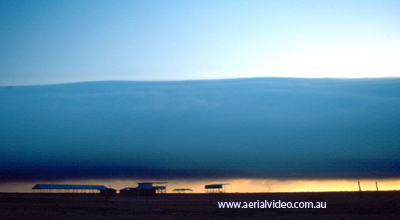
x=339, y=205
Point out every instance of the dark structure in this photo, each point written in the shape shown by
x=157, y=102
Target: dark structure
x=183, y=190
x=216, y=188
x=108, y=192
x=128, y=191
x=145, y=189
x=62, y=188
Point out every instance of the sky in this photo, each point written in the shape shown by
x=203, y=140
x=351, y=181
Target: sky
x=50, y=42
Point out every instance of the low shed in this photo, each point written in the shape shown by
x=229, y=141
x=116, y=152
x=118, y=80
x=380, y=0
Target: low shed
x=66, y=188
x=183, y=190
x=216, y=188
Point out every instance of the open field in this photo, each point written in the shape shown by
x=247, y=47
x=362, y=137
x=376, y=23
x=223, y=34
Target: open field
x=339, y=205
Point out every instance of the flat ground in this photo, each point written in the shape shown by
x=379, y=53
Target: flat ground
x=339, y=205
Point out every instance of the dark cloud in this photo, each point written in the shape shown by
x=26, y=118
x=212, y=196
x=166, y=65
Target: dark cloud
x=267, y=127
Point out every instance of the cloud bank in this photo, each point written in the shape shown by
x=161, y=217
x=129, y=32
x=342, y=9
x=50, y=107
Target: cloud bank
x=243, y=128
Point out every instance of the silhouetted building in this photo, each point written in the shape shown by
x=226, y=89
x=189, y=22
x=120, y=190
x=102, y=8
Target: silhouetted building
x=66, y=188
x=108, y=192
x=129, y=191
x=145, y=189
x=183, y=190
x=216, y=188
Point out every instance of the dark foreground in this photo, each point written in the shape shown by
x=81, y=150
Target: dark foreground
x=339, y=205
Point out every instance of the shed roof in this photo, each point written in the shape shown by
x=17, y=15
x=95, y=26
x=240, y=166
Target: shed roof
x=61, y=186
x=182, y=190
x=215, y=186
x=153, y=183
x=160, y=187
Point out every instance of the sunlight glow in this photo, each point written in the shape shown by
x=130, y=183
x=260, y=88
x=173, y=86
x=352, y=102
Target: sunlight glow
x=236, y=185
x=335, y=63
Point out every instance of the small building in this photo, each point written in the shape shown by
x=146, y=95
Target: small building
x=128, y=191
x=108, y=192
x=66, y=188
x=183, y=190
x=145, y=189
x=216, y=188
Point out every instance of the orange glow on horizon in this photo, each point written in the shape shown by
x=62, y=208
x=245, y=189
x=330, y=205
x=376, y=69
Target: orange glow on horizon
x=236, y=185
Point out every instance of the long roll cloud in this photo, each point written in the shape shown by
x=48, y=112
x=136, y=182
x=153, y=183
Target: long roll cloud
x=243, y=128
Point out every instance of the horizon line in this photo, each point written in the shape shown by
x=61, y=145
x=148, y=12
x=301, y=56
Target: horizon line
x=199, y=80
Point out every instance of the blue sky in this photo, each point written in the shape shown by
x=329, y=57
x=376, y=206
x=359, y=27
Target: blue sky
x=47, y=42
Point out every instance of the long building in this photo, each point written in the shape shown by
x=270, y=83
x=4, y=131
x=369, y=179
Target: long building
x=66, y=188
